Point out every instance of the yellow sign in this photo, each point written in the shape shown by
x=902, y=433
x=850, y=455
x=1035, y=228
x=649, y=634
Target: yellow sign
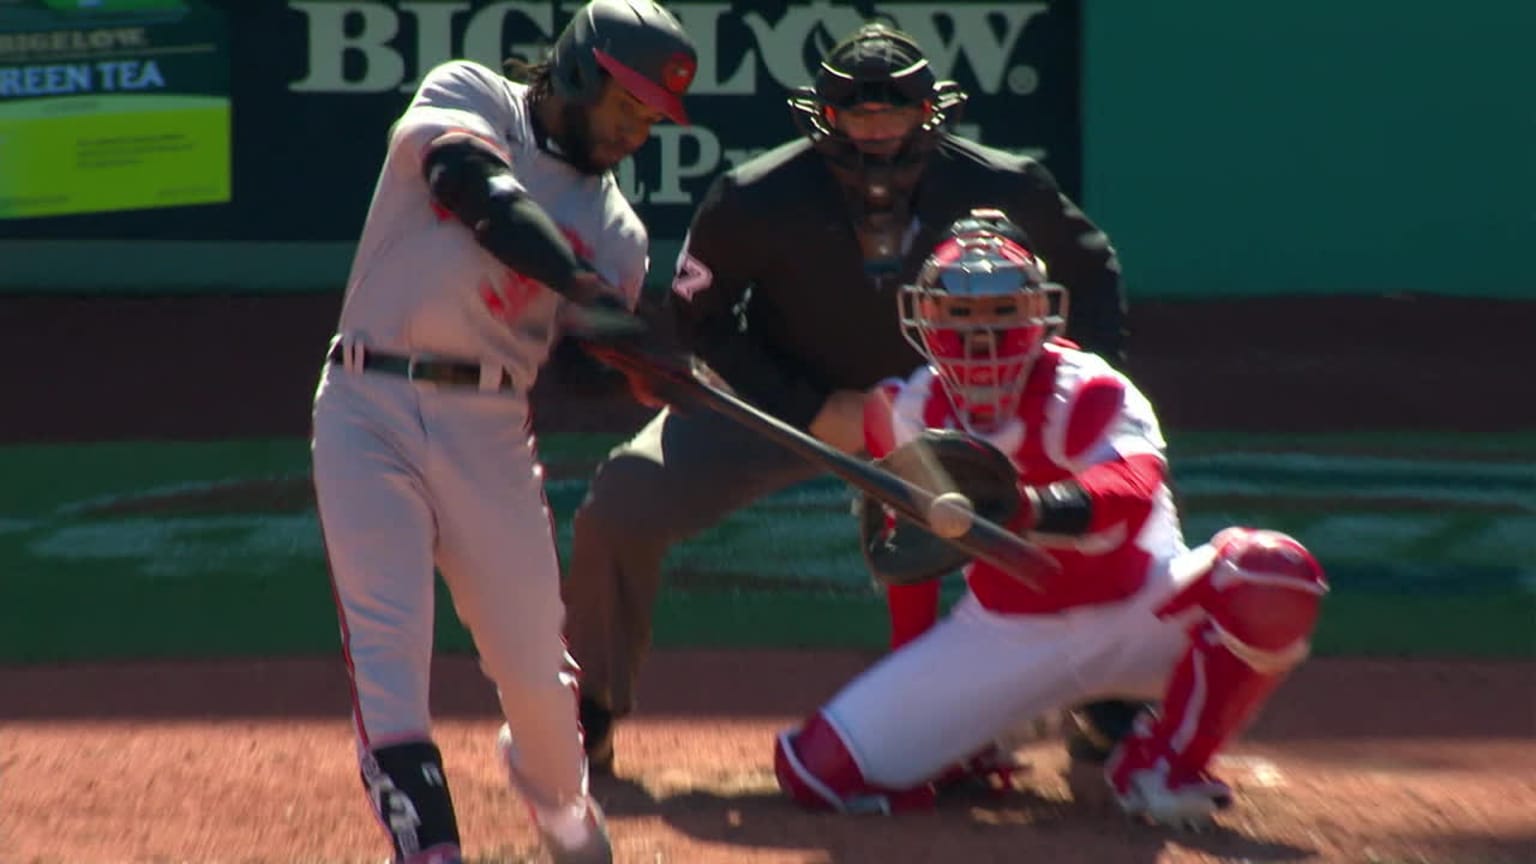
x=112, y=112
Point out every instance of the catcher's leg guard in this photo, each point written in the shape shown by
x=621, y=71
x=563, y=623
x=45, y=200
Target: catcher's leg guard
x=815, y=768
x=1255, y=609
x=409, y=793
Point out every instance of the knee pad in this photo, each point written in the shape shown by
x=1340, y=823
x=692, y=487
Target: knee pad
x=1265, y=593
x=409, y=794
x=816, y=769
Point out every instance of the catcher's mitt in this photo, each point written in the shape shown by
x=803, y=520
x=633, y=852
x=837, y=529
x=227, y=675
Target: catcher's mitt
x=902, y=552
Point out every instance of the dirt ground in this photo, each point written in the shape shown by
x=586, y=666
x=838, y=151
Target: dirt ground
x=1359, y=761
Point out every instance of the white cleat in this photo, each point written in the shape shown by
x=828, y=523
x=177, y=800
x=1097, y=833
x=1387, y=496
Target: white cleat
x=1189, y=805
x=504, y=749
x=591, y=845
x=576, y=835
x=1145, y=787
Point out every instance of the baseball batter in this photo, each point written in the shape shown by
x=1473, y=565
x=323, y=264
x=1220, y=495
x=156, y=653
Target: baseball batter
x=1133, y=614
x=495, y=214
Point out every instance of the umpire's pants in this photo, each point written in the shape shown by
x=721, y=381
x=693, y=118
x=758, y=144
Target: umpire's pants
x=681, y=474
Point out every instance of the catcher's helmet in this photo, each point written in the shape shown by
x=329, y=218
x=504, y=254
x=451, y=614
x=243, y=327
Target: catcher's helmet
x=984, y=221
x=980, y=311
x=636, y=42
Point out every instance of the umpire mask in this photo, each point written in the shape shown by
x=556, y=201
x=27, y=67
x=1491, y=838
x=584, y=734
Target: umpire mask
x=875, y=114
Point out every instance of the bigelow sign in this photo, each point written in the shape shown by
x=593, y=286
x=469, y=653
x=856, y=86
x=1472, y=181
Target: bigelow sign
x=984, y=33
x=316, y=84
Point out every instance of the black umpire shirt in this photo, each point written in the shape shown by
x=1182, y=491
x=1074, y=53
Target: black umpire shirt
x=775, y=232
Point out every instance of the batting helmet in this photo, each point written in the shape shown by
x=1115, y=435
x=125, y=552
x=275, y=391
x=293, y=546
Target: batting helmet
x=637, y=43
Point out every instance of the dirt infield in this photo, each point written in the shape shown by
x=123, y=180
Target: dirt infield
x=1359, y=761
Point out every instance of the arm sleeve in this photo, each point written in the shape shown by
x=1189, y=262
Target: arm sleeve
x=1080, y=257
x=1129, y=473
x=449, y=135
x=1122, y=491
x=715, y=269
x=474, y=185
x=1117, y=481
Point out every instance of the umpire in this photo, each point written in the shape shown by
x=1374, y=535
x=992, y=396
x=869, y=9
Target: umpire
x=786, y=287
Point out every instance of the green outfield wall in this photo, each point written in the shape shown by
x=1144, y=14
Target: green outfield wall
x=1231, y=149
x=1373, y=146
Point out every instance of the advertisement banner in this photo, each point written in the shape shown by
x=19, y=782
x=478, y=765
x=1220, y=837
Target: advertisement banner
x=112, y=105
x=315, y=84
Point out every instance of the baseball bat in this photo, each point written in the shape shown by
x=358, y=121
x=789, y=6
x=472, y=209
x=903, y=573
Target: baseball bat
x=675, y=375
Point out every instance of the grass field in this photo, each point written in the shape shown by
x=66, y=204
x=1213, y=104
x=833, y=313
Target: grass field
x=211, y=549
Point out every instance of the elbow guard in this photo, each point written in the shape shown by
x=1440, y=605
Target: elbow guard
x=474, y=185
x=463, y=177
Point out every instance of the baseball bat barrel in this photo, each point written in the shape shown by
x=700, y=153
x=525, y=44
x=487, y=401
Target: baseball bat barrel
x=984, y=539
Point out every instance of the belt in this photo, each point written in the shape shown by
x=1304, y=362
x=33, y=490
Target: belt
x=420, y=368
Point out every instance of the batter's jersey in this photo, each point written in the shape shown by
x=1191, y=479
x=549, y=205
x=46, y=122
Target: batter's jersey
x=420, y=283
x=1134, y=522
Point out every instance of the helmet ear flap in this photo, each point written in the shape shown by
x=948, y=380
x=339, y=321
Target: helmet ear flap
x=589, y=77
x=577, y=77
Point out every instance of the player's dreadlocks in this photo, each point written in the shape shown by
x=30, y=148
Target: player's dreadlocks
x=536, y=75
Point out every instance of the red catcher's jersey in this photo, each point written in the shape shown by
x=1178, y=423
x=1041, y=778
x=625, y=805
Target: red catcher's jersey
x=1134, y=523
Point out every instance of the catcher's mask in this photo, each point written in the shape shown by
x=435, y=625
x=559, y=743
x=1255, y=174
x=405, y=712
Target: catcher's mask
x=875, y=113
x=638, y=43
x=980, y=311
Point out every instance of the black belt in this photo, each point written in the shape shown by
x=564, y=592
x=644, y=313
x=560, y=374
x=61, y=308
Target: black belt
x=451, y=373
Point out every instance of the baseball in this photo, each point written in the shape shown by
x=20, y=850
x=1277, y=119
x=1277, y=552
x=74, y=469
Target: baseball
x=950, y=514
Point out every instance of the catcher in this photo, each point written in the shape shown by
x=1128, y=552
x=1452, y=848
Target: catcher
x=1051, y=442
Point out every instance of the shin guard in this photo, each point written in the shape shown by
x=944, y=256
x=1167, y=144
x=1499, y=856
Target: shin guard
x=409, y=793
x=1253, y=613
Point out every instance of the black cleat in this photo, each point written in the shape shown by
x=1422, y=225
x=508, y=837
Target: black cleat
x=597, y=737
